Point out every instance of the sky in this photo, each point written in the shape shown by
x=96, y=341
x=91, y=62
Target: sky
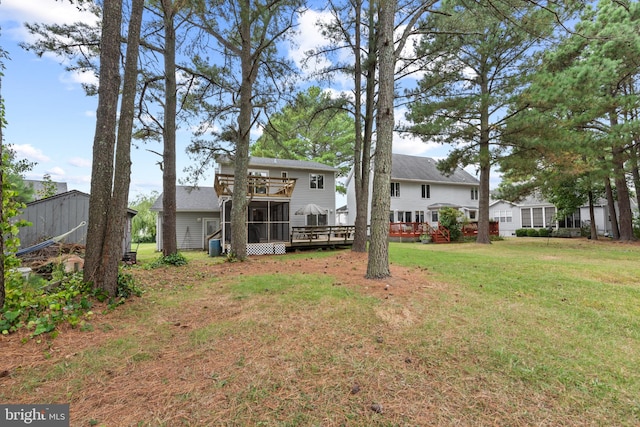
x=51, y=121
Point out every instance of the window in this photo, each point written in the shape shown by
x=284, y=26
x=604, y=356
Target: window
x=392, y=217
x=434, y=216
x=419, y=215
x=426, y=191
x=257, y=185
x=395, y=189
x=474, y=194
x=316, y=181
x=317, y=219
x=472, y=215
x=404, y=216
x=538, y=221
x=503, y=216
x=526, y=217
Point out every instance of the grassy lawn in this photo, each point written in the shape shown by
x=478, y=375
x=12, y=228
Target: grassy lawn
x=526, y=331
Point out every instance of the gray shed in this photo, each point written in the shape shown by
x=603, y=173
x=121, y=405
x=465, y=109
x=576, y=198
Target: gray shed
x=59, y=214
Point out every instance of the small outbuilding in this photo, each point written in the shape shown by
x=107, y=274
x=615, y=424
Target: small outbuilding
x=56, y=215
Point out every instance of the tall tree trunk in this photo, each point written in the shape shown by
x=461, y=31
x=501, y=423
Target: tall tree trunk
x=362, y=163
x=378, y=265
x=615, y=231
x=169, y=174
x=241, y=166
x=122, y=175
x=625, y=217
x=592, y=218
x=104, y=143
x=635, y=172
x=484, y=159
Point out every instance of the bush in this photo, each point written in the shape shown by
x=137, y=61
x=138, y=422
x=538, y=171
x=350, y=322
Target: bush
x=452, y=219
x=532, y=232
x=544, y=232
x=521, y=232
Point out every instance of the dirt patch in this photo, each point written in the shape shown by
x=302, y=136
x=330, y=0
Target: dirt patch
x=164, y=380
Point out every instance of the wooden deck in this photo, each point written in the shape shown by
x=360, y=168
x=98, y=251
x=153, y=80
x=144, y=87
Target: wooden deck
x=321, y=236
x=412, y=231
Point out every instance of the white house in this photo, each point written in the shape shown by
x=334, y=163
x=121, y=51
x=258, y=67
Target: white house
x=419, y=190
x=533, y=212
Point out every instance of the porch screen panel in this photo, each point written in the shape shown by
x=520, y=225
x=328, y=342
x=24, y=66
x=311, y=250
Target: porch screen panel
x=279, y=221
x=577, y=223
x=538, y=220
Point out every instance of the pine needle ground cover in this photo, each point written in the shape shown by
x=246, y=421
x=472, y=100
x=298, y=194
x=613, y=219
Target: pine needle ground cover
x=520, y=332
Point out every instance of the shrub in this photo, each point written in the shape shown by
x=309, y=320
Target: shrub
x=452, y=219
x=532, y=232
x=544, y=232
x=521, y=232
x=176, y=259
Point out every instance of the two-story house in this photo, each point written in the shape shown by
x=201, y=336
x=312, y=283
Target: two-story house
x=419, y=190
x=277, y=190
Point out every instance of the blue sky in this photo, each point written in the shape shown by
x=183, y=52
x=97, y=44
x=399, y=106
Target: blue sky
x=52, y=122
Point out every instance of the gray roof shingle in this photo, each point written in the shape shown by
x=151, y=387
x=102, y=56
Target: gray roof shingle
x=194, y=199
x=416, y=168
x=285, y=163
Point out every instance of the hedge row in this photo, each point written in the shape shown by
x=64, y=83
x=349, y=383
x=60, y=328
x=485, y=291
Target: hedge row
x=533, y=232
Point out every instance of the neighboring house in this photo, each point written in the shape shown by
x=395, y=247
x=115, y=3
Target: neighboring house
x=39, y=187
x=536, y=213
x=59, y=214
x=277, y=189
x=419, y=190
x=197, y=216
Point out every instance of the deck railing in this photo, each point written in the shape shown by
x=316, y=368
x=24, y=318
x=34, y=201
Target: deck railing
x=438, y=234
x=257, y=186
x=323, y=233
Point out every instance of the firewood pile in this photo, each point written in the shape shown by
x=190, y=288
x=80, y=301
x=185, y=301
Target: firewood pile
x=53, y=254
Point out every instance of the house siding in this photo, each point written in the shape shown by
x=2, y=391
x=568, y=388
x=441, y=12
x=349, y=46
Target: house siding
x=445, y=192
x=411, y=198
x=302, y=193
x=190, y=233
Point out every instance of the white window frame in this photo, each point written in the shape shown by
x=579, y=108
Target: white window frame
x=315, y=183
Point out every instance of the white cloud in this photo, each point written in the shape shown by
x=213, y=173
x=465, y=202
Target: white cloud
x=79, y=162
x=56, y=173
x=76, y=77
x=308, y=37
x=45, y=11
x=29, y=152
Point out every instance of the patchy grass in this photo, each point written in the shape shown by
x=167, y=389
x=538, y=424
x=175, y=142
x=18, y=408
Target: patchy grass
x=520, y=332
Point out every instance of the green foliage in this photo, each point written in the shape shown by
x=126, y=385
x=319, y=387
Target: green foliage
x=532, y=232
x=143, y=227
x=39, y=305
x=521, y=232
x=453, y=220
x=49, y=188
x=177, y=259
x=314, y=127
x=544, y=232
